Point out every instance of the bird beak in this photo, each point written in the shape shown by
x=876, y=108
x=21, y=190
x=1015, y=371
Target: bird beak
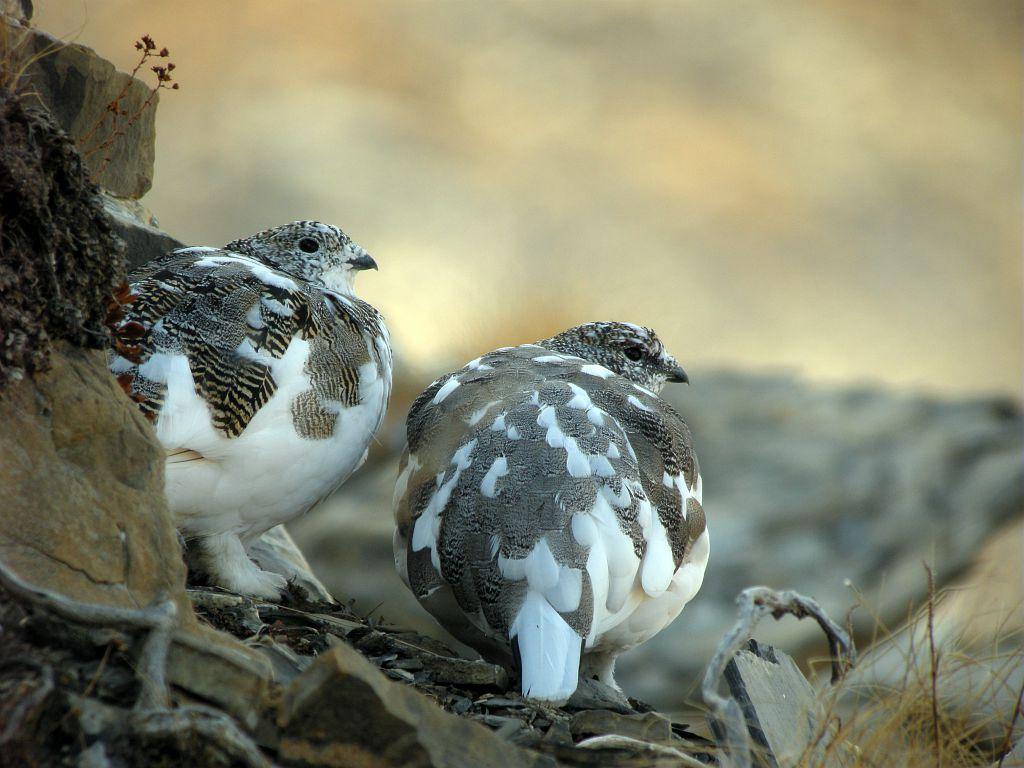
x=363, y=261
x=678, y=375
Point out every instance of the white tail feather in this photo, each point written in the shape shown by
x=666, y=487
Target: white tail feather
x=549, y=650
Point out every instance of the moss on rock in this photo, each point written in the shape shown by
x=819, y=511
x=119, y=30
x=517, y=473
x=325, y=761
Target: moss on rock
x=60, y=261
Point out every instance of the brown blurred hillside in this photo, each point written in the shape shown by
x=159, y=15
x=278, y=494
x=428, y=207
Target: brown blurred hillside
x=827, y=187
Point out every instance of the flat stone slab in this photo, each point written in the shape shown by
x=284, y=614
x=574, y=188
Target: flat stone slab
x=343, y=711
x=143, y=238
x=782, y=713
x=446, y=670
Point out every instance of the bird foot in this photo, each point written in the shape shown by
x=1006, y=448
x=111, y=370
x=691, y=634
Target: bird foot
x=224, y=559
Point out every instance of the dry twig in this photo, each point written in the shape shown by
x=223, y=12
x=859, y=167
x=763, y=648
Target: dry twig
x=207, y=725
x=1008, y=741
x=159, y=618
x=121, y=120
x=754, y=604
x=28, y=706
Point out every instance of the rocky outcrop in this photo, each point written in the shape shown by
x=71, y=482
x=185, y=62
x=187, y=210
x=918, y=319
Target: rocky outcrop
x=77, y=87
x=138, y=228
x=85, y=533
x=82, y=479
x=342, y=711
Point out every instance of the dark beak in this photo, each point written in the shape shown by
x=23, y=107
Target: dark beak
x=678, y=375
x=363, y=262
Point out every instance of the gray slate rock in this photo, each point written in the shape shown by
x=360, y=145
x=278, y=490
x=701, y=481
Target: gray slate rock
x=229, y=675
x=76, y=85
x=286, y=665
x=446, y=670
x=94, y=757
x=593, y=694
x=782, y=712
x=133, y=223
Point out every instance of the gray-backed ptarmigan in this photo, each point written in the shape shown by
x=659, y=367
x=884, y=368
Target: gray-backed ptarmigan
x=265, y=378
x=548, y=505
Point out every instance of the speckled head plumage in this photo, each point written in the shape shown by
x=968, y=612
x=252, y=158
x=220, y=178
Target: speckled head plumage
x=311, y=250
x=632, y=351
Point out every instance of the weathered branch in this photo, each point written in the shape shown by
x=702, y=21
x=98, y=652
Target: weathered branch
x=159, y=618
x=152, y=716
x=754, y=604
x=208, y=725
x=615, y=741
x=30, y=704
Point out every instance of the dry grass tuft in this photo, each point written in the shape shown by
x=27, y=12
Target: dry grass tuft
x=13, y=59
x=924, y=697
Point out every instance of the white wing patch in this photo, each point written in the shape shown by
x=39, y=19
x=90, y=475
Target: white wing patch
x=428, y=525
x=402, y=484
x=592, y=369
x=477, y=416
x=499, y=468
x=577, y=464
x=645, y=390
x=635, y=402
x=446, y=389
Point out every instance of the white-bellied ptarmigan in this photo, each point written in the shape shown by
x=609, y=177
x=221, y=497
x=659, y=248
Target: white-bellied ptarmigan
x=548, y=505
x=265, y=378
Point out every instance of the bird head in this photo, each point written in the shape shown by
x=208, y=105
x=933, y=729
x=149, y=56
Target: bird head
x=631, y=351
x=316, y=252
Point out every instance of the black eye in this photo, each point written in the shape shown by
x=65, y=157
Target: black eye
x=634, y=353
x=309, y=245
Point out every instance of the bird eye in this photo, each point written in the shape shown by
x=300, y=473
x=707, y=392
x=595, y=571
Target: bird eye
x=634, y=353
x=309, y=245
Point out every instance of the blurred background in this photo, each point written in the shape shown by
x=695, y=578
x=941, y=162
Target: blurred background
x=816, y=204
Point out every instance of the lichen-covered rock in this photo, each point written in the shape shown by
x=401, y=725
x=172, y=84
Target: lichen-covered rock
x=81, y=472
x=76, y=86
x=59, y=259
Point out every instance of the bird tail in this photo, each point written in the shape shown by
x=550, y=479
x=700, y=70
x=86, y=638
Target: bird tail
x=548, y=650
